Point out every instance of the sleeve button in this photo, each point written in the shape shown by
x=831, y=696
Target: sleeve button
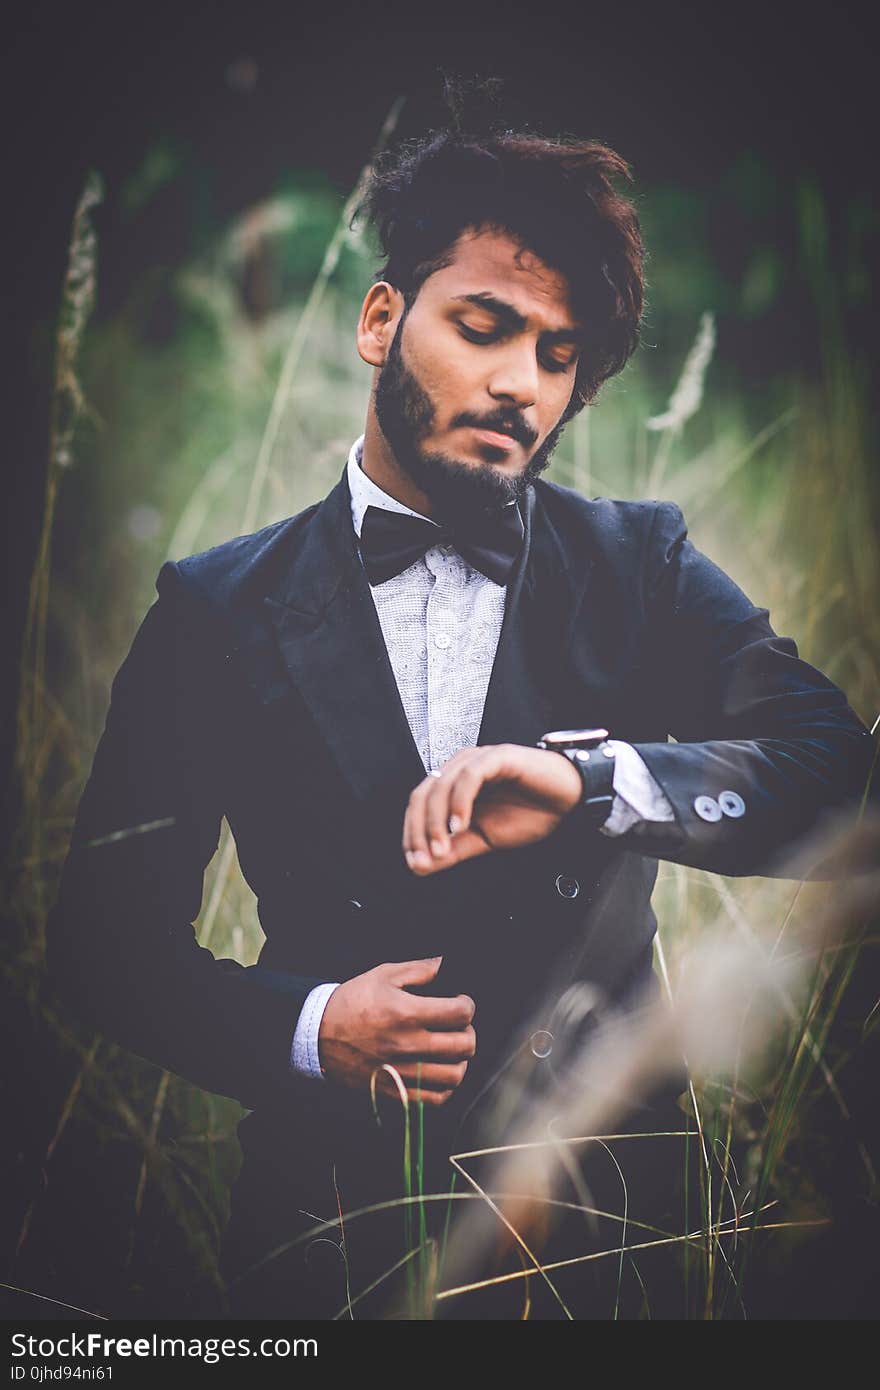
x=707, y=808
x=732, y=804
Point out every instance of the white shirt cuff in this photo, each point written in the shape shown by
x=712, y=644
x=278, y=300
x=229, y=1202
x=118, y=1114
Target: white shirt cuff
x=637, y=797
x=304, y=1052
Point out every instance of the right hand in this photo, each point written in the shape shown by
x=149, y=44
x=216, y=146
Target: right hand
x=372, y=1019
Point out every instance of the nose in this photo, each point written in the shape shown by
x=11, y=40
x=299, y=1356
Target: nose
x=515, y=376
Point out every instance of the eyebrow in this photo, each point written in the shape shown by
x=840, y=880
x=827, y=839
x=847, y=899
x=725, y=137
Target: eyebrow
x=513, y=319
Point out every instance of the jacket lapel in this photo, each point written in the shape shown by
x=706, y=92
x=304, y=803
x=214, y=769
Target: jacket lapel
x=516, y=707
x=530, y=688
x=332, y=646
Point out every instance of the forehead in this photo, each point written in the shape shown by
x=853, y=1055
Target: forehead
x=495, y=263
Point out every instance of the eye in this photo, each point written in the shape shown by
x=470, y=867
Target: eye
x=476, y=335
x=560, y=359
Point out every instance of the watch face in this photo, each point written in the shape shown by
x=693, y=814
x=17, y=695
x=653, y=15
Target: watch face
x=574, y=738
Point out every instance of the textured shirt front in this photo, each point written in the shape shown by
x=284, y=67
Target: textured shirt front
x=441, y=621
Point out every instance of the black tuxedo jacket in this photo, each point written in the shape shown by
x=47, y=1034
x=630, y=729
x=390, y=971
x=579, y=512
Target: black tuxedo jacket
x=259, y=688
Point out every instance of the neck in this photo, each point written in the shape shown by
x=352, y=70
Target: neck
x=381, y=467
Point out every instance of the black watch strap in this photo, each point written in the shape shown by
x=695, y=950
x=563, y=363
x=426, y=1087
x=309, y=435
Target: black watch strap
x=596, y=768
x=593, y=756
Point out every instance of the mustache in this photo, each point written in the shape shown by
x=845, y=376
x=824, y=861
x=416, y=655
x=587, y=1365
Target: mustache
x=502, y=421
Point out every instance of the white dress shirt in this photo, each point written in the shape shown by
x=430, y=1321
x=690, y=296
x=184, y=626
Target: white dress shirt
x=441, y=621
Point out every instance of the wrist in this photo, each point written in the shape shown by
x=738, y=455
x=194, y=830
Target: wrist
x=570, y=784
x=326, y=1027
x=591, y=756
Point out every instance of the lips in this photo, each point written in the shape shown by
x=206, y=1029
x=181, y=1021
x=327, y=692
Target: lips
x=496, y=439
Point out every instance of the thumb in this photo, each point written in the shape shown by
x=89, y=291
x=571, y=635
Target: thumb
x=415, y=972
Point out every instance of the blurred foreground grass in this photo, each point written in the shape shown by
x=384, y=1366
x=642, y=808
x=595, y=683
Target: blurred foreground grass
x=118, y=1176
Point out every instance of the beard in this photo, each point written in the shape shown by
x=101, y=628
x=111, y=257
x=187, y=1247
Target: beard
x=457, y=490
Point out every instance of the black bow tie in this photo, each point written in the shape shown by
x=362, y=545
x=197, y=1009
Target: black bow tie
x=392, y=541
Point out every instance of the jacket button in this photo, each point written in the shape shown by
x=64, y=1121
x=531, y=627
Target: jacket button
x=567, y=887
x=707, y=808
x=541, y=1043
x=732, y=804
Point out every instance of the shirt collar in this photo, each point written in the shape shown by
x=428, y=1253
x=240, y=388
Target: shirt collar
x=365, y=493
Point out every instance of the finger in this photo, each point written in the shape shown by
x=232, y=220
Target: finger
x=412, y=972
x=467, y=844
x=433, y=1076
x=441, y=1045
x=414, y=1093
x=446, y=1015
x=463, y=781
x=448, y=803
x=426, y=820
x=425, y=1097
x=415, y=841
x=466, y=785
x=436, y=815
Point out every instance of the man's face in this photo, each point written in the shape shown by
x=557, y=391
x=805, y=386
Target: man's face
x=479, y=374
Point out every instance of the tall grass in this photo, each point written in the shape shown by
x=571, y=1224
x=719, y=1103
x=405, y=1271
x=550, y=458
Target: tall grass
x=35, y=738
x=776, y=490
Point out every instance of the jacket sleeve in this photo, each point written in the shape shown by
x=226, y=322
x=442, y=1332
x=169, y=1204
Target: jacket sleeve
x=749, y=718
x=121, y=947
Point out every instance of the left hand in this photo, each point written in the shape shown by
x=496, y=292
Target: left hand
x=497, y=797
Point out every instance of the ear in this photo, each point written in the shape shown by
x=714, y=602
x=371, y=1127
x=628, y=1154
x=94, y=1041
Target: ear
x=381, y=312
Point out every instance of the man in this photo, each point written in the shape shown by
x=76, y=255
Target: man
x=360, y=691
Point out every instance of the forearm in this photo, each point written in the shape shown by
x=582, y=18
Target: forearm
x=741, y=806
x=767, y=746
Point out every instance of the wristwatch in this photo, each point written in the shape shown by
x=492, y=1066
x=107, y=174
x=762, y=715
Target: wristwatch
x=589, y=752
